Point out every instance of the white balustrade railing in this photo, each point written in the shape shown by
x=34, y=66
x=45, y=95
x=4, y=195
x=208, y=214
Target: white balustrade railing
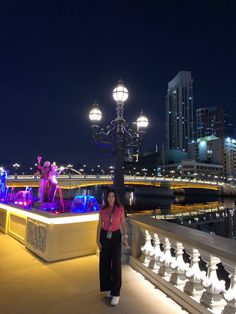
x=172, y=257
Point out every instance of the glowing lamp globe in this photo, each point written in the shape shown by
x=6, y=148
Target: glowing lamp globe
x=142, y=121
x=95, y=115
x=120, y=93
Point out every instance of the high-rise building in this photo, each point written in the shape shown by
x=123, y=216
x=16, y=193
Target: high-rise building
x=213, y=121
x=179, y=112
x=230, y=158
x=215, y=150
x=209, y=149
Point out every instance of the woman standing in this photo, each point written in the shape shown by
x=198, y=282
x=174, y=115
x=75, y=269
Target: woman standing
x=111, y=232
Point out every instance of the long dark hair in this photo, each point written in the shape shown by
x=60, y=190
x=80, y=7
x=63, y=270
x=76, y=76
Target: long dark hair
x=117, y=202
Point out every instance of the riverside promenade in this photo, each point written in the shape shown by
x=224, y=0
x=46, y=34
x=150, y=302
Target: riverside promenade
x=30, y=285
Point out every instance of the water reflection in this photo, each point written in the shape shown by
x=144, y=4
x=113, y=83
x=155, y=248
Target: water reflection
x=212, y=215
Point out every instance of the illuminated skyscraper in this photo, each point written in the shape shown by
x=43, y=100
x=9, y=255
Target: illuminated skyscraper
x=179, y=112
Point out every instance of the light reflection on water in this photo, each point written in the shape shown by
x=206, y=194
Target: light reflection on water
x=213, y=215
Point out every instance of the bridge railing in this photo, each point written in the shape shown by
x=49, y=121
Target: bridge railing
x=187, y=264
x=109, y=177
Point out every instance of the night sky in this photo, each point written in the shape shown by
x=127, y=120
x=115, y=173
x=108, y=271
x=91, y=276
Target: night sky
x=57, y=57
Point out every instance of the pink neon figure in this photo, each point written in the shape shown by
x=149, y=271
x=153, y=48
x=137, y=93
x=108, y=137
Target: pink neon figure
x=44, y=182
x=53, y=185
x=52, y=178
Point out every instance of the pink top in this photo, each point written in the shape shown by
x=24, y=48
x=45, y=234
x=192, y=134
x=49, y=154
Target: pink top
x=116, y=218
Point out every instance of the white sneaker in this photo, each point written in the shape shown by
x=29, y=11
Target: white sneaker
x=115, y=300
x=108, y=294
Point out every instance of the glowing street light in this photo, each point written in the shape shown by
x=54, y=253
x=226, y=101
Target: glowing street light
x=142, y=122
x=117, y=136
x=95, y=115
x=16, y=166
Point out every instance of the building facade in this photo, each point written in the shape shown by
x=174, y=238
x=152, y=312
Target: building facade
x=213, y=121
x=208, y=149
x=192, y=169
x=179, y=112
x=230, y=158
x=214, y=150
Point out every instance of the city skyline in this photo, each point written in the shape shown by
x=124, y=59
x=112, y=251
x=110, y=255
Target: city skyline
x=57, y=59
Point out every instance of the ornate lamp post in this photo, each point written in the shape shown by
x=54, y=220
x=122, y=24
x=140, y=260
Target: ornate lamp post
x=117, y=135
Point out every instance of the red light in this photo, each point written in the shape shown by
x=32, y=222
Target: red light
x=21, y=203
x=25, y=203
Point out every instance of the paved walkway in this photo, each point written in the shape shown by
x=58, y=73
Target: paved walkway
x=29, y=285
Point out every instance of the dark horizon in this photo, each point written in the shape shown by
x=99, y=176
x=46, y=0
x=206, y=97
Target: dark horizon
x=58, y=58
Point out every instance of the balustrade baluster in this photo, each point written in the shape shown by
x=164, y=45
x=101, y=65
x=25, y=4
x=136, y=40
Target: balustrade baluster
x=146, y=249
x=179, y=266
x=156, y=254
x=230, y=294
x=212, y=298
x=194, y=274
x=166, y=259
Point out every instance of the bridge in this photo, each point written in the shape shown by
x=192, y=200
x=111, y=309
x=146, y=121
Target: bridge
x=78, y=181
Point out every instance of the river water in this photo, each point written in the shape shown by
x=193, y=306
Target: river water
x=210, y=214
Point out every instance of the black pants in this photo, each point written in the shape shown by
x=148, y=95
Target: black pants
x=110, y=262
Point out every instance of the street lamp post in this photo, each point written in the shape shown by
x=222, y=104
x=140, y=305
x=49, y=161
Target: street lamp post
x=16, y=166
x=117, y=136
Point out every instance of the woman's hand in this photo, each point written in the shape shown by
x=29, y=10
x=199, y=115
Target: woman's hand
x=125, y=241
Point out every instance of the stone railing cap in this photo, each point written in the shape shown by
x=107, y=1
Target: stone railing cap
x=214, y=245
